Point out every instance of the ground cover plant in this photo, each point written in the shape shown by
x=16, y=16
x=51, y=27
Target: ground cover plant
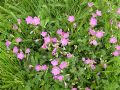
x=59, y=45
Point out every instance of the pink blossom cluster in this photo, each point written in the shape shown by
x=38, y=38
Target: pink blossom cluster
x=48, y=40
x=39, y=67
x=34, y=21
x=90, y=62
x=100, y=34
x=56, y=69
x=64, y=37
x=19, y=53
x=57, y=66
x=93, y=20
x=113, y=40
x=93, y=23
x=54, y=41
x=97, y=34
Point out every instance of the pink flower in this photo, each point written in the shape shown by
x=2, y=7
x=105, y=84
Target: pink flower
x=37, y=67
x=90, y=62
x=19, y=21
x=15, y=27
x=65, y=35
x=71, y=19
x=60, y=78
x=118, y=11
x=98, y=13
x=55, y=70
x=87, y=61
x=64, y=41
x=54, y=51
x=59, y=31
x=74, y=89
x=27, y=50
x=92, y=32
x=18, y=40
x=47, y=39
x=44, y=67
x=44, y=46
x=69, y=55
x=113, y=40
x=36, y=21
x=87, y=88
x=94, y=42
x=90, y=4
x=99, y=34
x=15, y=50
x=54, y=62
x=93, y=22
x=116, y=53
x=117, y=47
x=29, y=20
x=20, y=55
x=54, y=40
x=44, y=33
x=63, y=64
x=7, y=43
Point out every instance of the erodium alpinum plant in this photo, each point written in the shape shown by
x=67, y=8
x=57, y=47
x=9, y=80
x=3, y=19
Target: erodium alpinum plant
x=60, y=45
